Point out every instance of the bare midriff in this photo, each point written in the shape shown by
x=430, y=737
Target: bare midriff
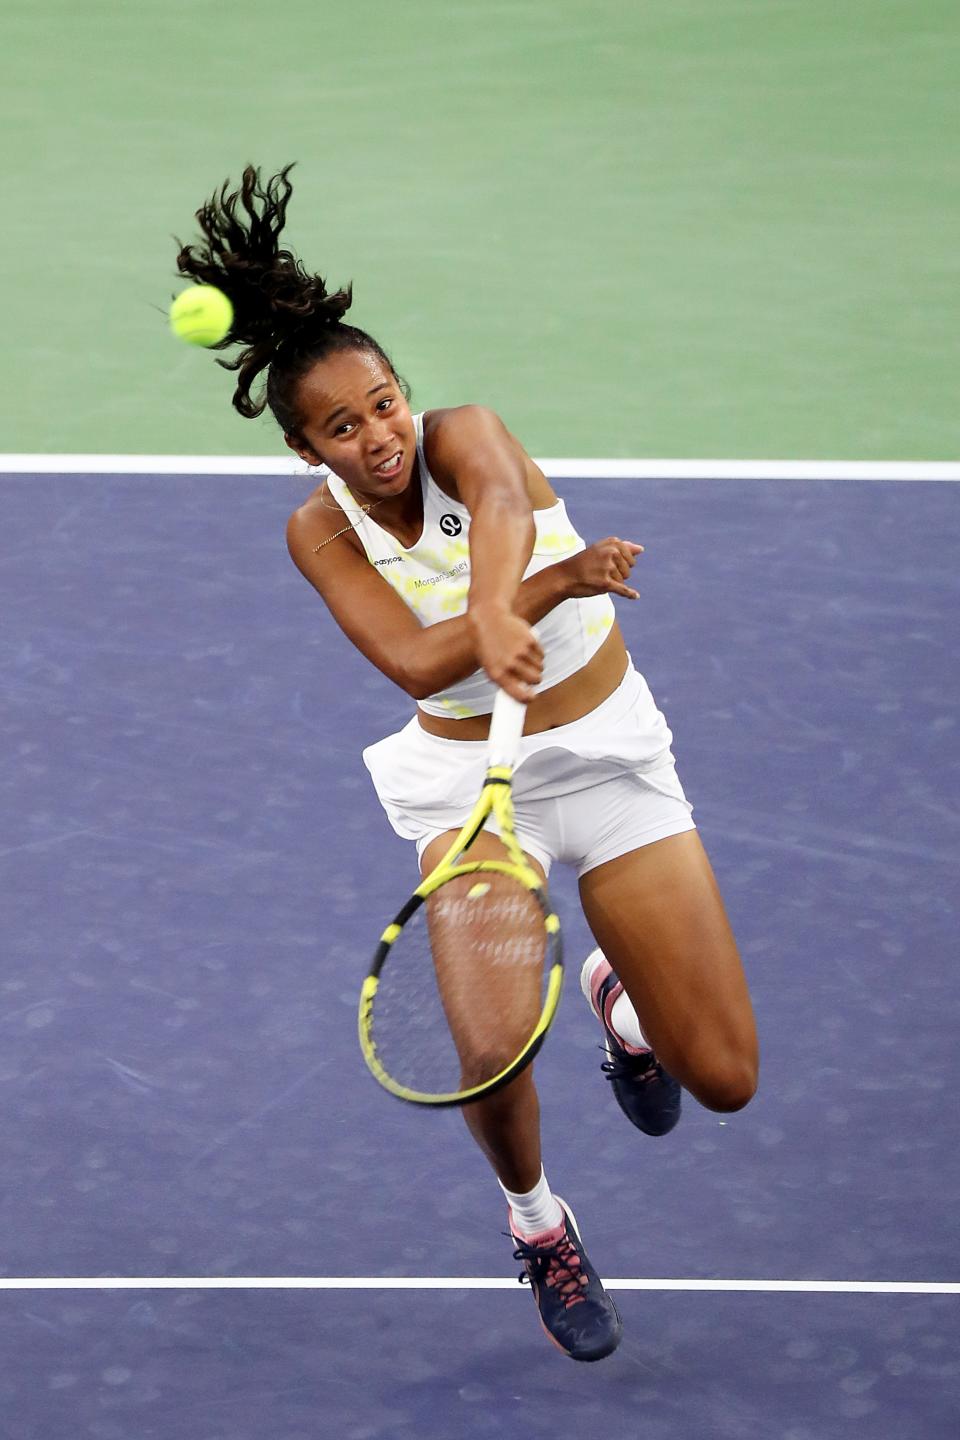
x=560, y=705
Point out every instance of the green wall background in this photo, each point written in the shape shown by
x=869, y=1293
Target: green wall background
x=706, y=228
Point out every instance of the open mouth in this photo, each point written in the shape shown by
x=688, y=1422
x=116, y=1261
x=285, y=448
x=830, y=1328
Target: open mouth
x=390, y=467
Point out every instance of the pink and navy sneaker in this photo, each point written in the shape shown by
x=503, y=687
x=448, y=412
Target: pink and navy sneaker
x=575, y=1310
x=648, y=1096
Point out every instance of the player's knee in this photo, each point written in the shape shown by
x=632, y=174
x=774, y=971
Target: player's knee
x=729, y=1085
x=478, y=1066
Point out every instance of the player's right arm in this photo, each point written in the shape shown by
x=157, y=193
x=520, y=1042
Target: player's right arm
x=425, y=659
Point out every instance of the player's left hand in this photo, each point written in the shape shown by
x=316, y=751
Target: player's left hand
x=602, y=569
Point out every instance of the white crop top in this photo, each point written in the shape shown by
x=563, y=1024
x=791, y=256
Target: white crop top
x=433, y=578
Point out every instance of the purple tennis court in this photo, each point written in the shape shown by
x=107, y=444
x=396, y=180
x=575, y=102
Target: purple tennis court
x=195, y=870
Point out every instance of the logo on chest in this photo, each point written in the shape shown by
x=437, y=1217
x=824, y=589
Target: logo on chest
x=451, y=524
x=459, y=569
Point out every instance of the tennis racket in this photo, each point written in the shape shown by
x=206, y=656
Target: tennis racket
x=466, y=980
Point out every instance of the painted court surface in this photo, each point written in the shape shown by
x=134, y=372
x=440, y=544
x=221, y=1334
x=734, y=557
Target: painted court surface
x=195, y=869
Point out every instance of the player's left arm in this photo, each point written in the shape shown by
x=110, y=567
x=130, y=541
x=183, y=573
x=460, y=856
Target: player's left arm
x=471, y=450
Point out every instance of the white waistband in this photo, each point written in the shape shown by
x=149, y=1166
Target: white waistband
x=625, y=732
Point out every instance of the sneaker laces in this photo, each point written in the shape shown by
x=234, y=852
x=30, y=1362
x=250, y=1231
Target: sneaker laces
x=558, y=1266
x=643, y=1067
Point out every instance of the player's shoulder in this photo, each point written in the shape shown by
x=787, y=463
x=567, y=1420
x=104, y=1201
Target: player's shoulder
x=318, y=518
x=460, y=423
x=462, y=433
x=312, y=514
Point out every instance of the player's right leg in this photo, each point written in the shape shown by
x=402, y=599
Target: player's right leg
x=506, y=1125
x=575, y=1310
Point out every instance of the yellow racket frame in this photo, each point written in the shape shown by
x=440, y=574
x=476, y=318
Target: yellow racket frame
x=495, y=799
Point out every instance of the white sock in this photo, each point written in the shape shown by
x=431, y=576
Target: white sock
x=536, y=1211
x=624, y=1020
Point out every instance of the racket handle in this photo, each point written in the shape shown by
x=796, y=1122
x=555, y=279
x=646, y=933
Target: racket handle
x=506, y=727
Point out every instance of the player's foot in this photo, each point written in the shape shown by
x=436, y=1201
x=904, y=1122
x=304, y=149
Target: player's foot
x=575, y=1310
x=648, y=1096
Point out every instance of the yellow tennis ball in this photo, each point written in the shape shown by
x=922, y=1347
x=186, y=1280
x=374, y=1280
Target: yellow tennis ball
x=201, y=315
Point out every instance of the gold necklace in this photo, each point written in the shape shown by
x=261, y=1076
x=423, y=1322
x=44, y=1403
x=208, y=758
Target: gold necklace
x=364, y=510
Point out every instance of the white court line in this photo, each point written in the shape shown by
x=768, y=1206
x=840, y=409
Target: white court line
x=470, y=1282
x=556, y=469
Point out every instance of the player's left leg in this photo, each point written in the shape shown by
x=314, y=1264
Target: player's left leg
x=657, y=915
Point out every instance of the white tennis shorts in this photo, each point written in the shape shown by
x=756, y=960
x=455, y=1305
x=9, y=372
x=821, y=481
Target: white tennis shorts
x=583, y=793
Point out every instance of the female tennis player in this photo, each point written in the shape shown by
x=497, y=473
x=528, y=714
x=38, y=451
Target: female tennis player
x=438, y=545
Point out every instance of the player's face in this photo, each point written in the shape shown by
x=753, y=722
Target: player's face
x=357, y=420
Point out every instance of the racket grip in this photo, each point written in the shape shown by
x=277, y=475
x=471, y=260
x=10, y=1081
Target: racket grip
x=506, y=727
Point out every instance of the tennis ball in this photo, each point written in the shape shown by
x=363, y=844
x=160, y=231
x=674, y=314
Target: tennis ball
x=476, y=891
x=201, y=315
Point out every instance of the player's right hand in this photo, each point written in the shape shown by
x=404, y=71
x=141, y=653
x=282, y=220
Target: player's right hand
x=602, y=569
x=509, y=652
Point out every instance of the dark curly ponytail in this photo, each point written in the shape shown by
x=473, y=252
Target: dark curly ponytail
x=284, y=318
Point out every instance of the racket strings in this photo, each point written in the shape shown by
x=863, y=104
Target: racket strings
x=463, y=989
x=506, y=929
